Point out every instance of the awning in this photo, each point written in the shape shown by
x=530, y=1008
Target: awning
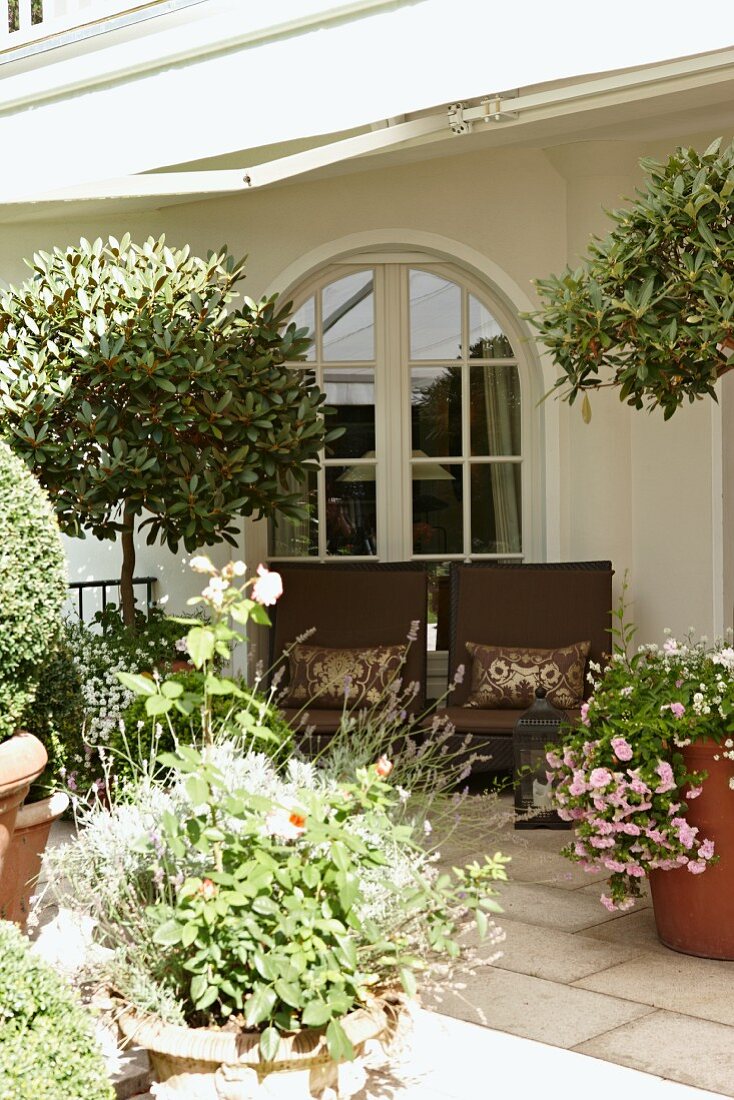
x=237, y=78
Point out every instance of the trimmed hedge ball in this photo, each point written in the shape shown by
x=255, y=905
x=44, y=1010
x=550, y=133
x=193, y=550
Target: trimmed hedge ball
x=33, y=586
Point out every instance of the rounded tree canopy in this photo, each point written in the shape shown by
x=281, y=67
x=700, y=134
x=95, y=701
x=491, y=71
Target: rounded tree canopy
x=129, y=385
x=651, y=310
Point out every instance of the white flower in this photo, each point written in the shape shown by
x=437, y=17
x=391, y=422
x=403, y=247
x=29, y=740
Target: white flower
x=202, y=564
x=268, y=587
x=288, y=824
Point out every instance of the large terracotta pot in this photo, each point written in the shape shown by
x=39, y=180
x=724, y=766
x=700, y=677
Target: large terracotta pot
x=25, y=854
x=22, y=759
x=695, y=913
x=205, y=1064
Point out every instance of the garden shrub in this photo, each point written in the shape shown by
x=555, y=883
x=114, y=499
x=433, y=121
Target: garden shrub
x=135, y=745
x=32, y=586
x=47, y=1045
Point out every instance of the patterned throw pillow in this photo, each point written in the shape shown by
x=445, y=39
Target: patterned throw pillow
x=505, y=677
x=325, y=677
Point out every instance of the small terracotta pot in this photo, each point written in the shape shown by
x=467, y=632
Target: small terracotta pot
x=25, y=854
x=206, y=1064
x=694, y=914
x=22, y=759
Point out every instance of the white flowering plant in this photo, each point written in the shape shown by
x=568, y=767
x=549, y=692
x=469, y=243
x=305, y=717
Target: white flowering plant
x=620, y=776
x=260, y=893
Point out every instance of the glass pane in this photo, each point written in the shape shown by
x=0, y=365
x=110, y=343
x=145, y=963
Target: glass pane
x=435, y=317
x=486, y=338
x=495, y=410
x=297, y=538
x=351, y=512
x=437, y=632
x=437, y=509
x=351, y=393
x=305, y=317
x=496, y=514
x=348, y=318
x=436, y=410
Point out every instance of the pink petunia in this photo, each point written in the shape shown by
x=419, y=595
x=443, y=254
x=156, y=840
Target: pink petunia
x=667, y=781
x=622, y=748
x=600, y=777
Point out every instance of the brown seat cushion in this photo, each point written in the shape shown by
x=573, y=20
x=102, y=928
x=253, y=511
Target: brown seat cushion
x=328, y=676
x=502, y=722
x=506, y=676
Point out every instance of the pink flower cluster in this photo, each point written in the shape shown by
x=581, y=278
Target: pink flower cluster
x=625, y=818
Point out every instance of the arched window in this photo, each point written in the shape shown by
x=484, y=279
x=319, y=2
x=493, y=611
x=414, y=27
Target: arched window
x=424, y=372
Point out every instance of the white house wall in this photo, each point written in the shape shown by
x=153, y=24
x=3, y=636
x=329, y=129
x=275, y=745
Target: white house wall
x=626, y=487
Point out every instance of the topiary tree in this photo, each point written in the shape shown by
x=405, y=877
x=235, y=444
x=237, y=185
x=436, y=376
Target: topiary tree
x=129, y=386
x=47, y=1045
x=651, y=310
x=32, y=586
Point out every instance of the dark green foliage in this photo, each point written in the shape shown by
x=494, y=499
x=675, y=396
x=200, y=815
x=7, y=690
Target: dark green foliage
x=47, y=1048
x=32, y=586
x=654, y=300
x=128, y=379
x=139, y=743
x=56, y=716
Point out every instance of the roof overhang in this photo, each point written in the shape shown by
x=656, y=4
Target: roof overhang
x=111, y=124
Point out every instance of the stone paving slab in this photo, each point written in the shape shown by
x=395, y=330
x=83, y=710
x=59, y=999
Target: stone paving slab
x=633, y=929
x=549, y=1012
x=556, y=956
x=679, y=983
x=565, y=910
x=669, y=1044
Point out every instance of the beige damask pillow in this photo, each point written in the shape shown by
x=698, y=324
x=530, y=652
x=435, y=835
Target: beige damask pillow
x=326, y=677
x=505, y=677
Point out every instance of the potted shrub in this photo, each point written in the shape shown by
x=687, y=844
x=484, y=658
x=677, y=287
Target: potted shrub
x=32, y=593
x=47, y=1043
x=648, y=781
x=264, y=916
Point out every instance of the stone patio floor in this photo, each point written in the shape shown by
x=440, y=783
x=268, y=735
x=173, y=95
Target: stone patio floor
x=581, y=1000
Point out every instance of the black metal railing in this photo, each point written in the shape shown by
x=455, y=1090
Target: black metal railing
x=80, y=587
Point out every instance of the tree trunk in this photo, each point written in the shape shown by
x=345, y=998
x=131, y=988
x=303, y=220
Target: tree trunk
x=127, y=596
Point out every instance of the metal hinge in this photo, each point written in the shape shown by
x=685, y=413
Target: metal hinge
x=457, y=123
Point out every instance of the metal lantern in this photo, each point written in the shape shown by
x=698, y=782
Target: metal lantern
x=533, y=730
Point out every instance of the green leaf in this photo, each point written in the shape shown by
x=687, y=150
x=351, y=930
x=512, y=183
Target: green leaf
x=197, y=790
x=340, y=1048
x=168, y=933
x=201, y=645
x=316, y=1014
x=408, y=982
x=270, y=1044
x=259, y=1006
x=157, y=704
x=141, y=685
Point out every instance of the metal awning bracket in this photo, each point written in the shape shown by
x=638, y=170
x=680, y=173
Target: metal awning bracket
x=457, y=123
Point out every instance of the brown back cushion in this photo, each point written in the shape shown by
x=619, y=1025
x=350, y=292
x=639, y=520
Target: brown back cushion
x=354, y=607
x=546, y=606
x=506, y=677
x=331, y=677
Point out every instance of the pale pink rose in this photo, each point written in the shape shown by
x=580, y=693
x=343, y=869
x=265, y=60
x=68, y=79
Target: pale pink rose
x=607, y=903
x=585, y=714
x=694, y=792
x=696, y=867
x=706, y=849
x=268, y=588
x=677, y=709
x=622, y=748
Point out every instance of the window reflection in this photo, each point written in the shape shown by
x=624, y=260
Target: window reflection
x=348, y=325
x=495, y=417
x=436, y=410
x=351, y=393
x=435, y=317
x=297, y=538
x=437, y=508
x=496, y=508
x=351, y=510
x=305, y=317
x=486, y=338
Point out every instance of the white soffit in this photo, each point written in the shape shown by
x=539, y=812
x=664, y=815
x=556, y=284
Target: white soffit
x=295, y=69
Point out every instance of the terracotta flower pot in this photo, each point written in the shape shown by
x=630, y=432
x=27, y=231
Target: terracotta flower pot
x=22, y=759
x=206, y=1064
x=694, y=914
x=25, y=854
